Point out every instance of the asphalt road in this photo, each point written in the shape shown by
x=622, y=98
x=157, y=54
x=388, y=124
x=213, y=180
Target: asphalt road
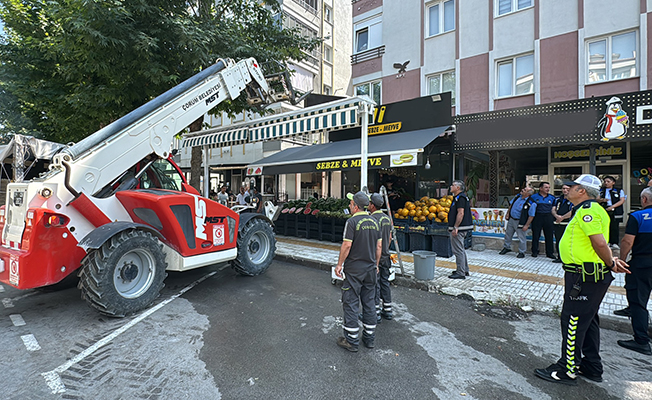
x=273, y=337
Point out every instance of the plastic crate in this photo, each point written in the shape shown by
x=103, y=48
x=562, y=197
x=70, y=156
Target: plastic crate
x=401, y=225
x=403, y=240
x=468, y=240
x=441, y=245
x=420, y=241
x=437, y=228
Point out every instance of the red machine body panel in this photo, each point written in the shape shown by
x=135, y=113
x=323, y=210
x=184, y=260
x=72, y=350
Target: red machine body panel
x=47, y=254
x=190, y=224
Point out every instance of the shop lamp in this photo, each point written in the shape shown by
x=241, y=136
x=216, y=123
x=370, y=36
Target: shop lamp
x=427, y=166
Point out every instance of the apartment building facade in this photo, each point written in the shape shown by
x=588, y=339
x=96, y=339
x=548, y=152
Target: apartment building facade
x=326, y=70
x=505, y=62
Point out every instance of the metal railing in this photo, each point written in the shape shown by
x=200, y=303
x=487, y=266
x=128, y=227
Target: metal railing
x=368, y=55
x=309, y=5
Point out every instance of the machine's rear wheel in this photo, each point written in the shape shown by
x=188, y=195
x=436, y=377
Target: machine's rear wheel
x=125, y=275
x=256, y=248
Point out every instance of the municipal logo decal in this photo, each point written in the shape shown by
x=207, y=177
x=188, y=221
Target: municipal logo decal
x=587, y=218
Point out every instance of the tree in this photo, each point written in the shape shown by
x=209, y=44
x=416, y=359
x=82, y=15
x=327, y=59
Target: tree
x=70, y=67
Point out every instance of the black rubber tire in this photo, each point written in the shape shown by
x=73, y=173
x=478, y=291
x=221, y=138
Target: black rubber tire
x=97, y=275
x=256, y=248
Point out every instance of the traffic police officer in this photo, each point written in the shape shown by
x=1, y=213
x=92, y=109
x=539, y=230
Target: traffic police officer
x=383, y=291
x=543, y=220
x=638, y=239
x=359, y=257
x=561, y=212
x=588, y=262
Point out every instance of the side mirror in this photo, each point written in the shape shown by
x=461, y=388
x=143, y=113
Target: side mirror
x=185, y=187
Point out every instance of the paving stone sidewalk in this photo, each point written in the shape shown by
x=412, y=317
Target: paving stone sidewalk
x=535, y=282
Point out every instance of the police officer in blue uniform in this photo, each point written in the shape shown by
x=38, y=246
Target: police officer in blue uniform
x=519, y=216
x=638, y=240
x=543, y=220
x=612, y=200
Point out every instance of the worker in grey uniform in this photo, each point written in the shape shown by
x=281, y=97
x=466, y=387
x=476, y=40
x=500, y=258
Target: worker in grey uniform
x=358, y=266
x=383, y=290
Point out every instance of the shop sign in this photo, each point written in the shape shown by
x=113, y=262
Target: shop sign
x=491, y=222
x=643, y=175
x=374, y=162
x=254, y=171
x=404, y=160
x=618, y=151
x=385, y=128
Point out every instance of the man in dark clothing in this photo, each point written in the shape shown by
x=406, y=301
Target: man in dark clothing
x=543, y=220
x=638, y=240
x=359, y=257
x=460, y=224
x=562, y=211
x=257, y=201
x=612, y=200
x=383, y=291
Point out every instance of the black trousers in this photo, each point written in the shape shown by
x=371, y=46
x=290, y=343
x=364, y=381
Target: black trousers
x=542, y=222
x=638, y=285
x=383, y=291
x=559, y=232
x=580, y=329
x=356, y=289
x=614, y=229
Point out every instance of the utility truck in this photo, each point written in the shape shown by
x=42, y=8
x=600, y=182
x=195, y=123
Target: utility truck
x=115, y=209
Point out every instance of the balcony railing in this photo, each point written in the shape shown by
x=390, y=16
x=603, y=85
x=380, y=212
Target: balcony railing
x=309, y=5
x=368, y=55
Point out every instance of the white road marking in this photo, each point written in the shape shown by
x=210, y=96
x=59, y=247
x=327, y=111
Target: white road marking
x=30, y=342
x=17, y=319
x=2, y=288
x=53, y=378
x=7, y=303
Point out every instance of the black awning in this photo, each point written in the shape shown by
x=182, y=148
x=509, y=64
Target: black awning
x=382, y=149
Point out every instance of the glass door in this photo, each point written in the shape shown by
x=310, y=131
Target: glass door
x=562, y=172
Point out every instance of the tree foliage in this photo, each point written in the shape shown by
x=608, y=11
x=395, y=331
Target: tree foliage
x=70, y=67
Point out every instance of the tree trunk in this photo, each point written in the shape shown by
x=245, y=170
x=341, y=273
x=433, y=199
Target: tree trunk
x=196, y=158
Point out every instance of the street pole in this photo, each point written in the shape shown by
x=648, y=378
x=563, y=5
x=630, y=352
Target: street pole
x=364, y=139
x=206, y=172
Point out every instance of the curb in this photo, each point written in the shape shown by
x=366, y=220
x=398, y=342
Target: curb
x=606, y=322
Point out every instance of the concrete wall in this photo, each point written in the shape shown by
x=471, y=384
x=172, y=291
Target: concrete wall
x=606, y=16
x=473, y=26
x=474, y=84
x=557, y=17
x=342, y=39
x=558, y=75
x=514, y=34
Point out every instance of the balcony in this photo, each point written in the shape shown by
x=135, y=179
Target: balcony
x=367, y=55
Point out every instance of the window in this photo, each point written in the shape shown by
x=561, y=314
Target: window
x=328, y=53
x=371, y=89
x=507, y=6
x=327, y=90
x=441, y=17
x=310, y=5
x=362, y=40
x=328, y=14
x=368, y=35
x=516, y=76
x=611, y=58
x=440, y=83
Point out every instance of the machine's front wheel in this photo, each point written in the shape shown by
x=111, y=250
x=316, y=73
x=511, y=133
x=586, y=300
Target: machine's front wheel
x=256, y=248
x=124, y=275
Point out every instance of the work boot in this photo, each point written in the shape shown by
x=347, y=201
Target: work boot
x=343, y=343
x=387, y=315
x=557, y=261
x=368, y=343
x=520, y=255
x=557, y=374
x=455, y=275
x=504, y=251
x=636, y=346
x=624, y=312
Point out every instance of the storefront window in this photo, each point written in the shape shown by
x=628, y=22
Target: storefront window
x=476, y=177
x=434, y=181
x=310, y=184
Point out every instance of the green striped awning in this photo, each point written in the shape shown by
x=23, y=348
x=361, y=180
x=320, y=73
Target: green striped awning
x=218, y=138
x=334, y=115
x=338, y=114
